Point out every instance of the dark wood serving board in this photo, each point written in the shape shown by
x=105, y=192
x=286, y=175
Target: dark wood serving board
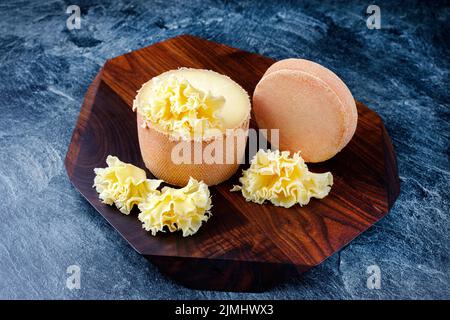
x=244, y=246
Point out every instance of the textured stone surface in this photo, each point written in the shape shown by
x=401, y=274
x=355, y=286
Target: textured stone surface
x=401, y=71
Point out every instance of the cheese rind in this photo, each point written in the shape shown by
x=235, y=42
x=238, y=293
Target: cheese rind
x=182, y=209
x=282, y=180
x=123, y=184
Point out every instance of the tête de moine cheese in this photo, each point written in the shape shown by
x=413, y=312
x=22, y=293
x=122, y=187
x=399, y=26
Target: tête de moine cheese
x=194, y=107
x=282, y=179
x=126, y=186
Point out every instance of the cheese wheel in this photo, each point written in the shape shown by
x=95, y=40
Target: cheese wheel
x=313, y=109
x=190, y=94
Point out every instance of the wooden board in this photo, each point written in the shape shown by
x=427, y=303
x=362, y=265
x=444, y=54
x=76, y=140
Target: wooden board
x=244, y=246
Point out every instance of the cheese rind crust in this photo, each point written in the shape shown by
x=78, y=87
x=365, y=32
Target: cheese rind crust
x=313, y=109
x=157, y=145
x=123, y=184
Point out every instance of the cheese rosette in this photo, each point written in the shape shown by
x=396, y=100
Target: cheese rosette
x=123, y=184
x=282, y=180
x=176, y=107
x=182, y=209
x=311, y=106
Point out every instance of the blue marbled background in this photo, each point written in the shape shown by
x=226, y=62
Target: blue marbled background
x=401, y=71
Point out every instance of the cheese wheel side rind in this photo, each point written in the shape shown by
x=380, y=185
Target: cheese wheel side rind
x=309, y=115
x=156, y=151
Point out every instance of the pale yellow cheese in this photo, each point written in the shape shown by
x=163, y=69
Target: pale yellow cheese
x=192, y=102
x=182, y=209
x=282, y=180
x=123, y=184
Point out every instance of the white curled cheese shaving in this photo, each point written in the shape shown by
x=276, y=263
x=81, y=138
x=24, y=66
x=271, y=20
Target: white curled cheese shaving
x=282, y=180
x=180, y=109
x=123, y=184
x=182, y=209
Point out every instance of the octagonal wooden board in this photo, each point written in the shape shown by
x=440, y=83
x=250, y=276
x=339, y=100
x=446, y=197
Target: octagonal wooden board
x=244, y=246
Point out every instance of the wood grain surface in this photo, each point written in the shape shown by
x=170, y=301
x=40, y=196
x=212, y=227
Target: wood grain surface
x=244, y=246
